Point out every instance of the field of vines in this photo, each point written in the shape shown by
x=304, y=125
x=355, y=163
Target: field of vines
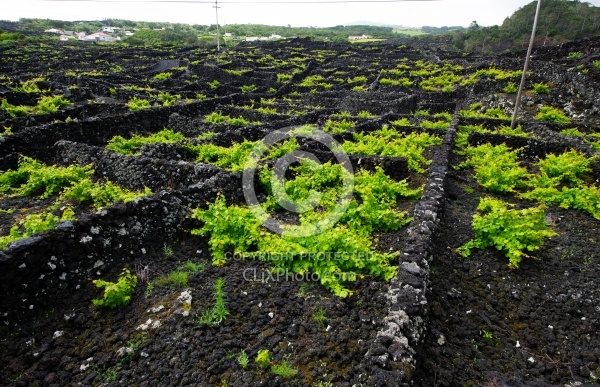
x=298, y=213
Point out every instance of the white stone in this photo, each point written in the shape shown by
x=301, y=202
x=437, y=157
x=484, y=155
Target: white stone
x=271, y=314
x=441, y=340
x=125, y=351
x=22, y=266
x=95, y=230
x=156, y=309
x=52, y=266
x=57, y=334
x=531, y=360
x=518, y=344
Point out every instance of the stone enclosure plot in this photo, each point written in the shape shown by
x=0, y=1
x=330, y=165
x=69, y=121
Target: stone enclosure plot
x=131, y=166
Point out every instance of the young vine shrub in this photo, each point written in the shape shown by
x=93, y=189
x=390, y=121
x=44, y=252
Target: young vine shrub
x=389, y=142
x=132, y=146
x=72, y=183
x=339, y=253
x=496, y=167
x=511, y=231
x=33, y=177
x=561, y=182
x=34, y=223
x=234, y=158
x=116, y=294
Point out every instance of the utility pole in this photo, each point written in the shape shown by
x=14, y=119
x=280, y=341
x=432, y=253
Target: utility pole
x=216, y=7
x=518, y=100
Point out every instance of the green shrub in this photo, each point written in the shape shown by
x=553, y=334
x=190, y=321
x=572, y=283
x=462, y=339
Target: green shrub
x=46, y=104
x=568, y=167
x=33, y=177
x=100, y=194
x=401, y=122
x=30, y=86
x=476, y=110
x=34, y=223
x=511, y=88
x=561, y=182
x=132, y=146
x=284, y=369
x=516, y=131
x=445, y=116
x=168, y=99
x=137, y=104
x=262, y=358
x=509, y=230
x=374, y=207
x=14, y=111
x=237, y=73
x=358, y=79
x=496, y=167
x=163, y=76
x=50, y=104
x=219, y=118
x=396, y=82
x=281, y=78
x=214, y=84
x=541, y=88
x=550, y=114
x=389, y=142
x=334, y=127
x=248, y=88
x=435, y=125
x=116, y=294
x=572, y=132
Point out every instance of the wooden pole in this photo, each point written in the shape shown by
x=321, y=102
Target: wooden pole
x=527, y=58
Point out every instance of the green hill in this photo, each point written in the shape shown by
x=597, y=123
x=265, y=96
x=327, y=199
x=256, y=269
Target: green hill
x=560, y=21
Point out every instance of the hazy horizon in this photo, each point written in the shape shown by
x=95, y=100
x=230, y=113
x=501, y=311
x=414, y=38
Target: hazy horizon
x=315, y=13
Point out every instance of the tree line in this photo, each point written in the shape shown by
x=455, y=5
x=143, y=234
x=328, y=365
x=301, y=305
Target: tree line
x=559, y=21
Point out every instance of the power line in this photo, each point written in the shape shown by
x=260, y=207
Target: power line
x=243, y=2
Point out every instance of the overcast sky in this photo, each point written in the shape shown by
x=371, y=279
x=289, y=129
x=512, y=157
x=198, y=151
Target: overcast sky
x=406, y=13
